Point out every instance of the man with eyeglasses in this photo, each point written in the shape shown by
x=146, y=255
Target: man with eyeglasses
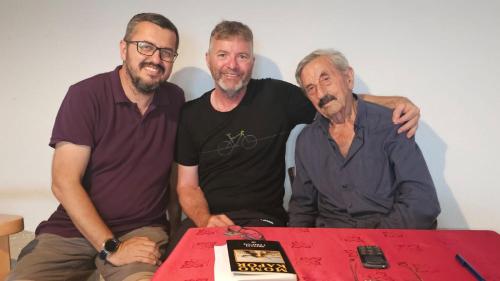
x=113, y=137
x=231, y=141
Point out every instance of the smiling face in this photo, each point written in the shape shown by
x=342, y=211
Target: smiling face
x=147, y=73
x=230, y=62
x=328, y=88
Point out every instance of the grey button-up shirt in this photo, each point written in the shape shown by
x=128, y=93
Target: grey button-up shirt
x=383, y=182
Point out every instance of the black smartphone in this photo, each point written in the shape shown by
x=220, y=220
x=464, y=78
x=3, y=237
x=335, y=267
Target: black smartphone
x=372, y=257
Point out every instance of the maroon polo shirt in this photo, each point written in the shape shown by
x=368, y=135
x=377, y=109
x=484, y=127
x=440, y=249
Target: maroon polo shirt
x=127, y=174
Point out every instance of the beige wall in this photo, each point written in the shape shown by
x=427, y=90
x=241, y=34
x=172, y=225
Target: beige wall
x=441, y=54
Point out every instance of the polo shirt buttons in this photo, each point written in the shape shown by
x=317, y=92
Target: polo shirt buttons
x=346, y=188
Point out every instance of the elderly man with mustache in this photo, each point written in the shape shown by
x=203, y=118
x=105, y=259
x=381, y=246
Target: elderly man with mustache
x=353, y=169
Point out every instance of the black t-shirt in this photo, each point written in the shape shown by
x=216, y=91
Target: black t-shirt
x=241, y=154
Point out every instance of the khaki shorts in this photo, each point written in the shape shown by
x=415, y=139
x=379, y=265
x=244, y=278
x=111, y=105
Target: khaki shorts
x=52, y=257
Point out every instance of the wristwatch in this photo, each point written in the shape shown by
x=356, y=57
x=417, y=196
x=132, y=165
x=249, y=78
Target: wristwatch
x=110, y=246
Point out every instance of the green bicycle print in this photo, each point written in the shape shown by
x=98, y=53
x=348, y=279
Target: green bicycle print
x=247, y=142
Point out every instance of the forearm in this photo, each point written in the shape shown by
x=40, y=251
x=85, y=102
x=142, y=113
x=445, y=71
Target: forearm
x=303, y=206
x=386, y=101
x=194, y=204
x=83, y=214
x=68, y=167
x=403, y=216
x=416, y=204
x=300, y=215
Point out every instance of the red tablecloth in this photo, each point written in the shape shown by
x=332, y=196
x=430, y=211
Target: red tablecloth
x=322, y=254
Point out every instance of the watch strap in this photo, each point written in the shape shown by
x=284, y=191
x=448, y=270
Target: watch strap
x=109, y=246
x=103, y=254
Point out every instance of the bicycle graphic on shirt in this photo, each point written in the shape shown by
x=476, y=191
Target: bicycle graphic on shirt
x=245, y=141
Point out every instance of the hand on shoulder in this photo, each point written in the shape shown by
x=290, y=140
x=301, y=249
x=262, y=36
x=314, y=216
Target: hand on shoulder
x=408, y=114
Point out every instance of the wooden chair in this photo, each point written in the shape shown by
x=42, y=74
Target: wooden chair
x=9, y=224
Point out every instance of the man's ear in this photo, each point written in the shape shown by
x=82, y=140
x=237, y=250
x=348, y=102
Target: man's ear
x=350, y=77
x=123, y=50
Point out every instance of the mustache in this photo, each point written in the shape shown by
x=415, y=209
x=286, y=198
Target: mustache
x=326, y=99
x=144, y=64
x=231, y=73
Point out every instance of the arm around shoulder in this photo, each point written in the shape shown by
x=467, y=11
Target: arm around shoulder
x=404, y=111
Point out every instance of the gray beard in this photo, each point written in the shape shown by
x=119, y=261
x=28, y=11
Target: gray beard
x=231, y=93
x=143, y=87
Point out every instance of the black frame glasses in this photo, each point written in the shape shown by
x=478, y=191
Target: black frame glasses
x=148, y=49
x=244, y=232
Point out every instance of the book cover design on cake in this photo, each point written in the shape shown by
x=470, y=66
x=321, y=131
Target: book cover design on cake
x=257, y=256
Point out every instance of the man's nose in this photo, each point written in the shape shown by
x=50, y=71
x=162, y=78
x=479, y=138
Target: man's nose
x=322, y=91
x=232, y=63
x=156, y=57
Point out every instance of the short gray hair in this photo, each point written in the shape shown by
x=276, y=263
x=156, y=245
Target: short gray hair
x=337, y=58
x=230, y=29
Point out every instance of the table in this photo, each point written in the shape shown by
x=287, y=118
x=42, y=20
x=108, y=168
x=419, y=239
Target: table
x=323, y=254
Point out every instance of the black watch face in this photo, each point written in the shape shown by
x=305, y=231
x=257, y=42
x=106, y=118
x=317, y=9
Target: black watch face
x=111, y=245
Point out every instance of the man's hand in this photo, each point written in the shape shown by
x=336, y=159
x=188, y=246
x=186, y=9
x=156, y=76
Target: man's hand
x=136, y=249
x=219, y=220
x=408, y=114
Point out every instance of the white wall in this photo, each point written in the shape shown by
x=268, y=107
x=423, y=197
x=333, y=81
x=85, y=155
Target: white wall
x=443, y=55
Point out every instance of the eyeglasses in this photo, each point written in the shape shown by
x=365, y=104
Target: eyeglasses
x=243, y=232
x=148, y=49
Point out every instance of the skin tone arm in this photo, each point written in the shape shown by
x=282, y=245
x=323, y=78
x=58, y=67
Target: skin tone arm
x=405, y=112
x=68, y=167
x=193, y=201
x=174, y=209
